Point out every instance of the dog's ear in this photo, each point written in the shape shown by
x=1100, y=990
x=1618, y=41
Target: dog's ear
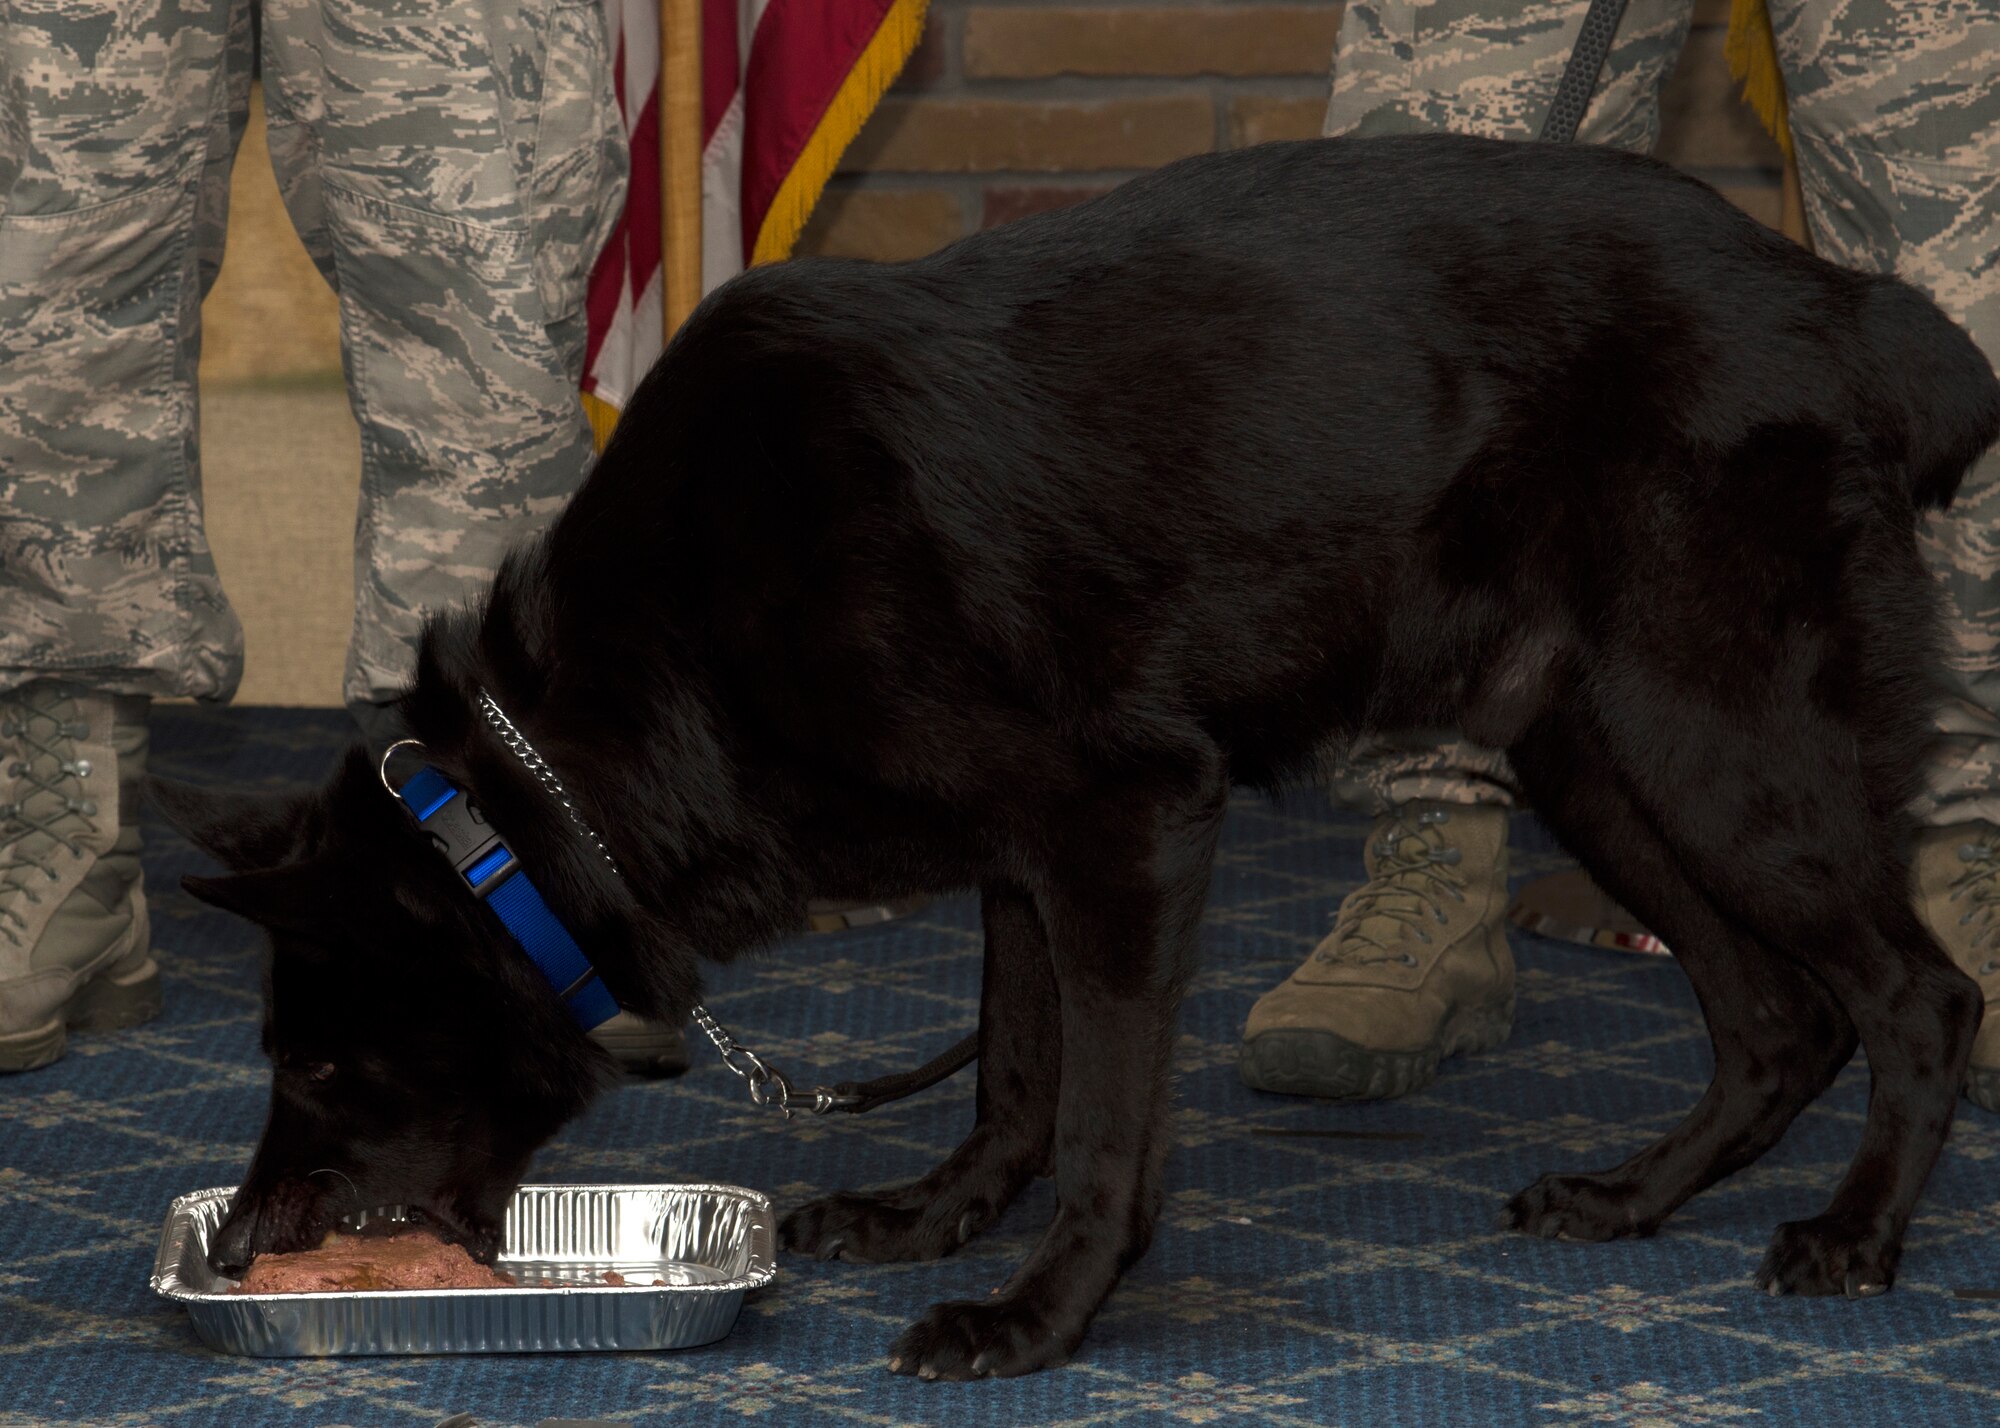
x=242, y=831
x=308, y=898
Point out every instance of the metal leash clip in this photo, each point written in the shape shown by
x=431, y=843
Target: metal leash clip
x=768, y=1085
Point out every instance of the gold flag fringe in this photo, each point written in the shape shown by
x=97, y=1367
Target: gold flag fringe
x=603, y=416
x=1753, y=60
x=873, y=72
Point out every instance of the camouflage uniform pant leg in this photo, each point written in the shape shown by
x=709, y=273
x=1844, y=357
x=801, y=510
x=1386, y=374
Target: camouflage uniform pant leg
x=1491, y=68
x=1376, y=773
x=1895, y=112
x=118, y=123
x=454, y=169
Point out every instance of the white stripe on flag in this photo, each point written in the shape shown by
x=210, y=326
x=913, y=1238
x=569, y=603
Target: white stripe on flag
x=722, y=199
x=722, y=166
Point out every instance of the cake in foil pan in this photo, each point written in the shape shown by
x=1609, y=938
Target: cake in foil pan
x=592, y=1267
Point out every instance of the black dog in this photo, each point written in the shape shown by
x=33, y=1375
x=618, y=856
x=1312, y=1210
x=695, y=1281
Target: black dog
x=998, y=568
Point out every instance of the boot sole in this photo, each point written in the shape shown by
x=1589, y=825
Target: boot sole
x=108, y=999
x=106, y=1002
x=1302, y=1062
x=843, y=917
x=654, y=1051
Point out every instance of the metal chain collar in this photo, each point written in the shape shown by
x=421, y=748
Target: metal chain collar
x=515, y=740
x=768, y=1085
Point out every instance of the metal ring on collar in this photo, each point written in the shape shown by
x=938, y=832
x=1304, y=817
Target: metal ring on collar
x=382, y=771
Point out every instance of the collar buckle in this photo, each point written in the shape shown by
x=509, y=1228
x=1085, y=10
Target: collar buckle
x=458, y=829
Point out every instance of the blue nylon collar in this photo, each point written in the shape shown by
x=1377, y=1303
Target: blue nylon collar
x=459, y=831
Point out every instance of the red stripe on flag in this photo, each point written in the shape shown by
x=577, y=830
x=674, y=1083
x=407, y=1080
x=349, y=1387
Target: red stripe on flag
x=801, y=53
x=632, y=255
x=721, y=62
x=643, y=217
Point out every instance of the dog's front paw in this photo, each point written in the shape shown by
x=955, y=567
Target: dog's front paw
x=1828, y=1255
x=1000, y=1339
x=1576, y=1207
x=878, y=1229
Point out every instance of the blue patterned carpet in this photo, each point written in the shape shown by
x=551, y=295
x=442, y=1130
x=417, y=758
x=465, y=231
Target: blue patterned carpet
x=1296, y=1280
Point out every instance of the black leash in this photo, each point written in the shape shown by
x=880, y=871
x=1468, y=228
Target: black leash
x=1580, y=75
x=771, y=1087
x=867, y=1095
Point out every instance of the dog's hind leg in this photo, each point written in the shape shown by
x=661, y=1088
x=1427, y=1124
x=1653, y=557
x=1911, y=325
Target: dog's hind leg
x=1126, y=875
x=1917, y=1014
x=1781, y=813
x=1020, y=1053
x=1779, y=1035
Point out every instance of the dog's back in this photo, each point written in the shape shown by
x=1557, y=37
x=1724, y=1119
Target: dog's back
x=1455, y=382
x=1944, y=407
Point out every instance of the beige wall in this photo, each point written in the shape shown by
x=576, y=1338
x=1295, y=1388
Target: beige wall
x=1004, y=110
x=281, y=458
x=270, y=316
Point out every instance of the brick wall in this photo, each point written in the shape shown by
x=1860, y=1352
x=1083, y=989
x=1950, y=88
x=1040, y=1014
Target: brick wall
x=1005, y=109
x=1011, y=108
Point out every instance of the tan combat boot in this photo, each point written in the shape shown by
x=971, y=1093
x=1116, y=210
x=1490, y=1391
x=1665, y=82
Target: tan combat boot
x=74, y=935
x=1416, y=968
x=1958, y=897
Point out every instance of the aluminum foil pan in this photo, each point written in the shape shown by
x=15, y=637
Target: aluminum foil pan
x=711, y=1243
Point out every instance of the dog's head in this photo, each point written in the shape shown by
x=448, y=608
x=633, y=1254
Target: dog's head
x=418, y=1058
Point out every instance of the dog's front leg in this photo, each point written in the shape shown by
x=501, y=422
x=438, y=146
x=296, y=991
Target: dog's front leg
x=1020, y=1054
x=1123, y=910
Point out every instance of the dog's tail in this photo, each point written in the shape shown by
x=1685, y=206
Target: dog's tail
x=1945, y=396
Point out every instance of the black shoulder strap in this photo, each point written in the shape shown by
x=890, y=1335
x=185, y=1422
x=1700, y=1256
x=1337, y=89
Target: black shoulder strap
x=1586, y=63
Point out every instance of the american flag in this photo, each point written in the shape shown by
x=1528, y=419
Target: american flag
x=626, y=303
x=786, y=85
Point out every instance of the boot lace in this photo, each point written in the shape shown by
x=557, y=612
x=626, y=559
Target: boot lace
x=47, y=810
x=1416, y=869
x=1979, y=888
